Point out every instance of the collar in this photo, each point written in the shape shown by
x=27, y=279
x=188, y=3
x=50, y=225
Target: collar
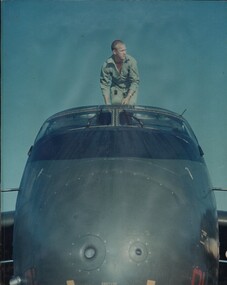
x=111, y=59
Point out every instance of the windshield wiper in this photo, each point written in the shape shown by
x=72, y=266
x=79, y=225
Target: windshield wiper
x=102, y=119
x=129, y=116
x=91, y=119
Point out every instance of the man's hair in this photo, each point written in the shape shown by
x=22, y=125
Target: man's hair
x=115, y=43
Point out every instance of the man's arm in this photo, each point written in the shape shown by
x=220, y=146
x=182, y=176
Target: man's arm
x=105, y=81
x=106, y=99
x=133, y=76
x=134, y=80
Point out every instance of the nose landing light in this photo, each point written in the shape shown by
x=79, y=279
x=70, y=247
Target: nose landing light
x=88, y=253
x=15, y=281
x=138, y=252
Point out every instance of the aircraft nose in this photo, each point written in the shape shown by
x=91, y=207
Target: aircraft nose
x=112, y=222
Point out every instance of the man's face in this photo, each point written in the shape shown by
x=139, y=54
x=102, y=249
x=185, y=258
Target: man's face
x=120, y=52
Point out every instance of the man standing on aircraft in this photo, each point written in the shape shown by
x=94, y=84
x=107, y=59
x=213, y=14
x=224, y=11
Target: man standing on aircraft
x=119, y=79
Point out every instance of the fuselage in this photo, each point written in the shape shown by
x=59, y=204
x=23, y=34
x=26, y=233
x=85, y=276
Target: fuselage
x=115, y=195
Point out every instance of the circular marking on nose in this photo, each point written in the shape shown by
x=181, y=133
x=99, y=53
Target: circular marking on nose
x=90, y=252
x=138, y=252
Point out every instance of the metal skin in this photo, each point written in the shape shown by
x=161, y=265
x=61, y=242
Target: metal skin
x=104, y=216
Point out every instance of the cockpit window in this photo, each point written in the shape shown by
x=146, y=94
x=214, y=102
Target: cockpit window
x=115, y=118
x=75, y=121
x=152, y=120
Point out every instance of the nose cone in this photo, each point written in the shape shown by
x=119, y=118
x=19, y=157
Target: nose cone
x=115, y=222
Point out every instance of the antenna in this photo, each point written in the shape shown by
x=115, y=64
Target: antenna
x=219, y=189
x=11, y=190
x=183, y=112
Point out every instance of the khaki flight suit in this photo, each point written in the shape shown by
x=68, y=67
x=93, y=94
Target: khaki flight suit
x=115, y=84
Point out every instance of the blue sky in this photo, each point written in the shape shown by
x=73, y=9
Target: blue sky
x=52, y=52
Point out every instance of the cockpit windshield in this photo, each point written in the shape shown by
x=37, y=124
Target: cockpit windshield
x=116, y=132
x=116, y=117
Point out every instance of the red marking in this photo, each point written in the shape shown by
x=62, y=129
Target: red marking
x=198, y=277
x=30, y=276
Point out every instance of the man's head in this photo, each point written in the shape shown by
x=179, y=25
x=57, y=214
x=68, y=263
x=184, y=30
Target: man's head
x=119, y=50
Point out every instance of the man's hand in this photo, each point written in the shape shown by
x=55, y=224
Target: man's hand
x=107, y=99
x=126, y=100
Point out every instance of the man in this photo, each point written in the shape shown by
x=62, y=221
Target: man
x=119, y=79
